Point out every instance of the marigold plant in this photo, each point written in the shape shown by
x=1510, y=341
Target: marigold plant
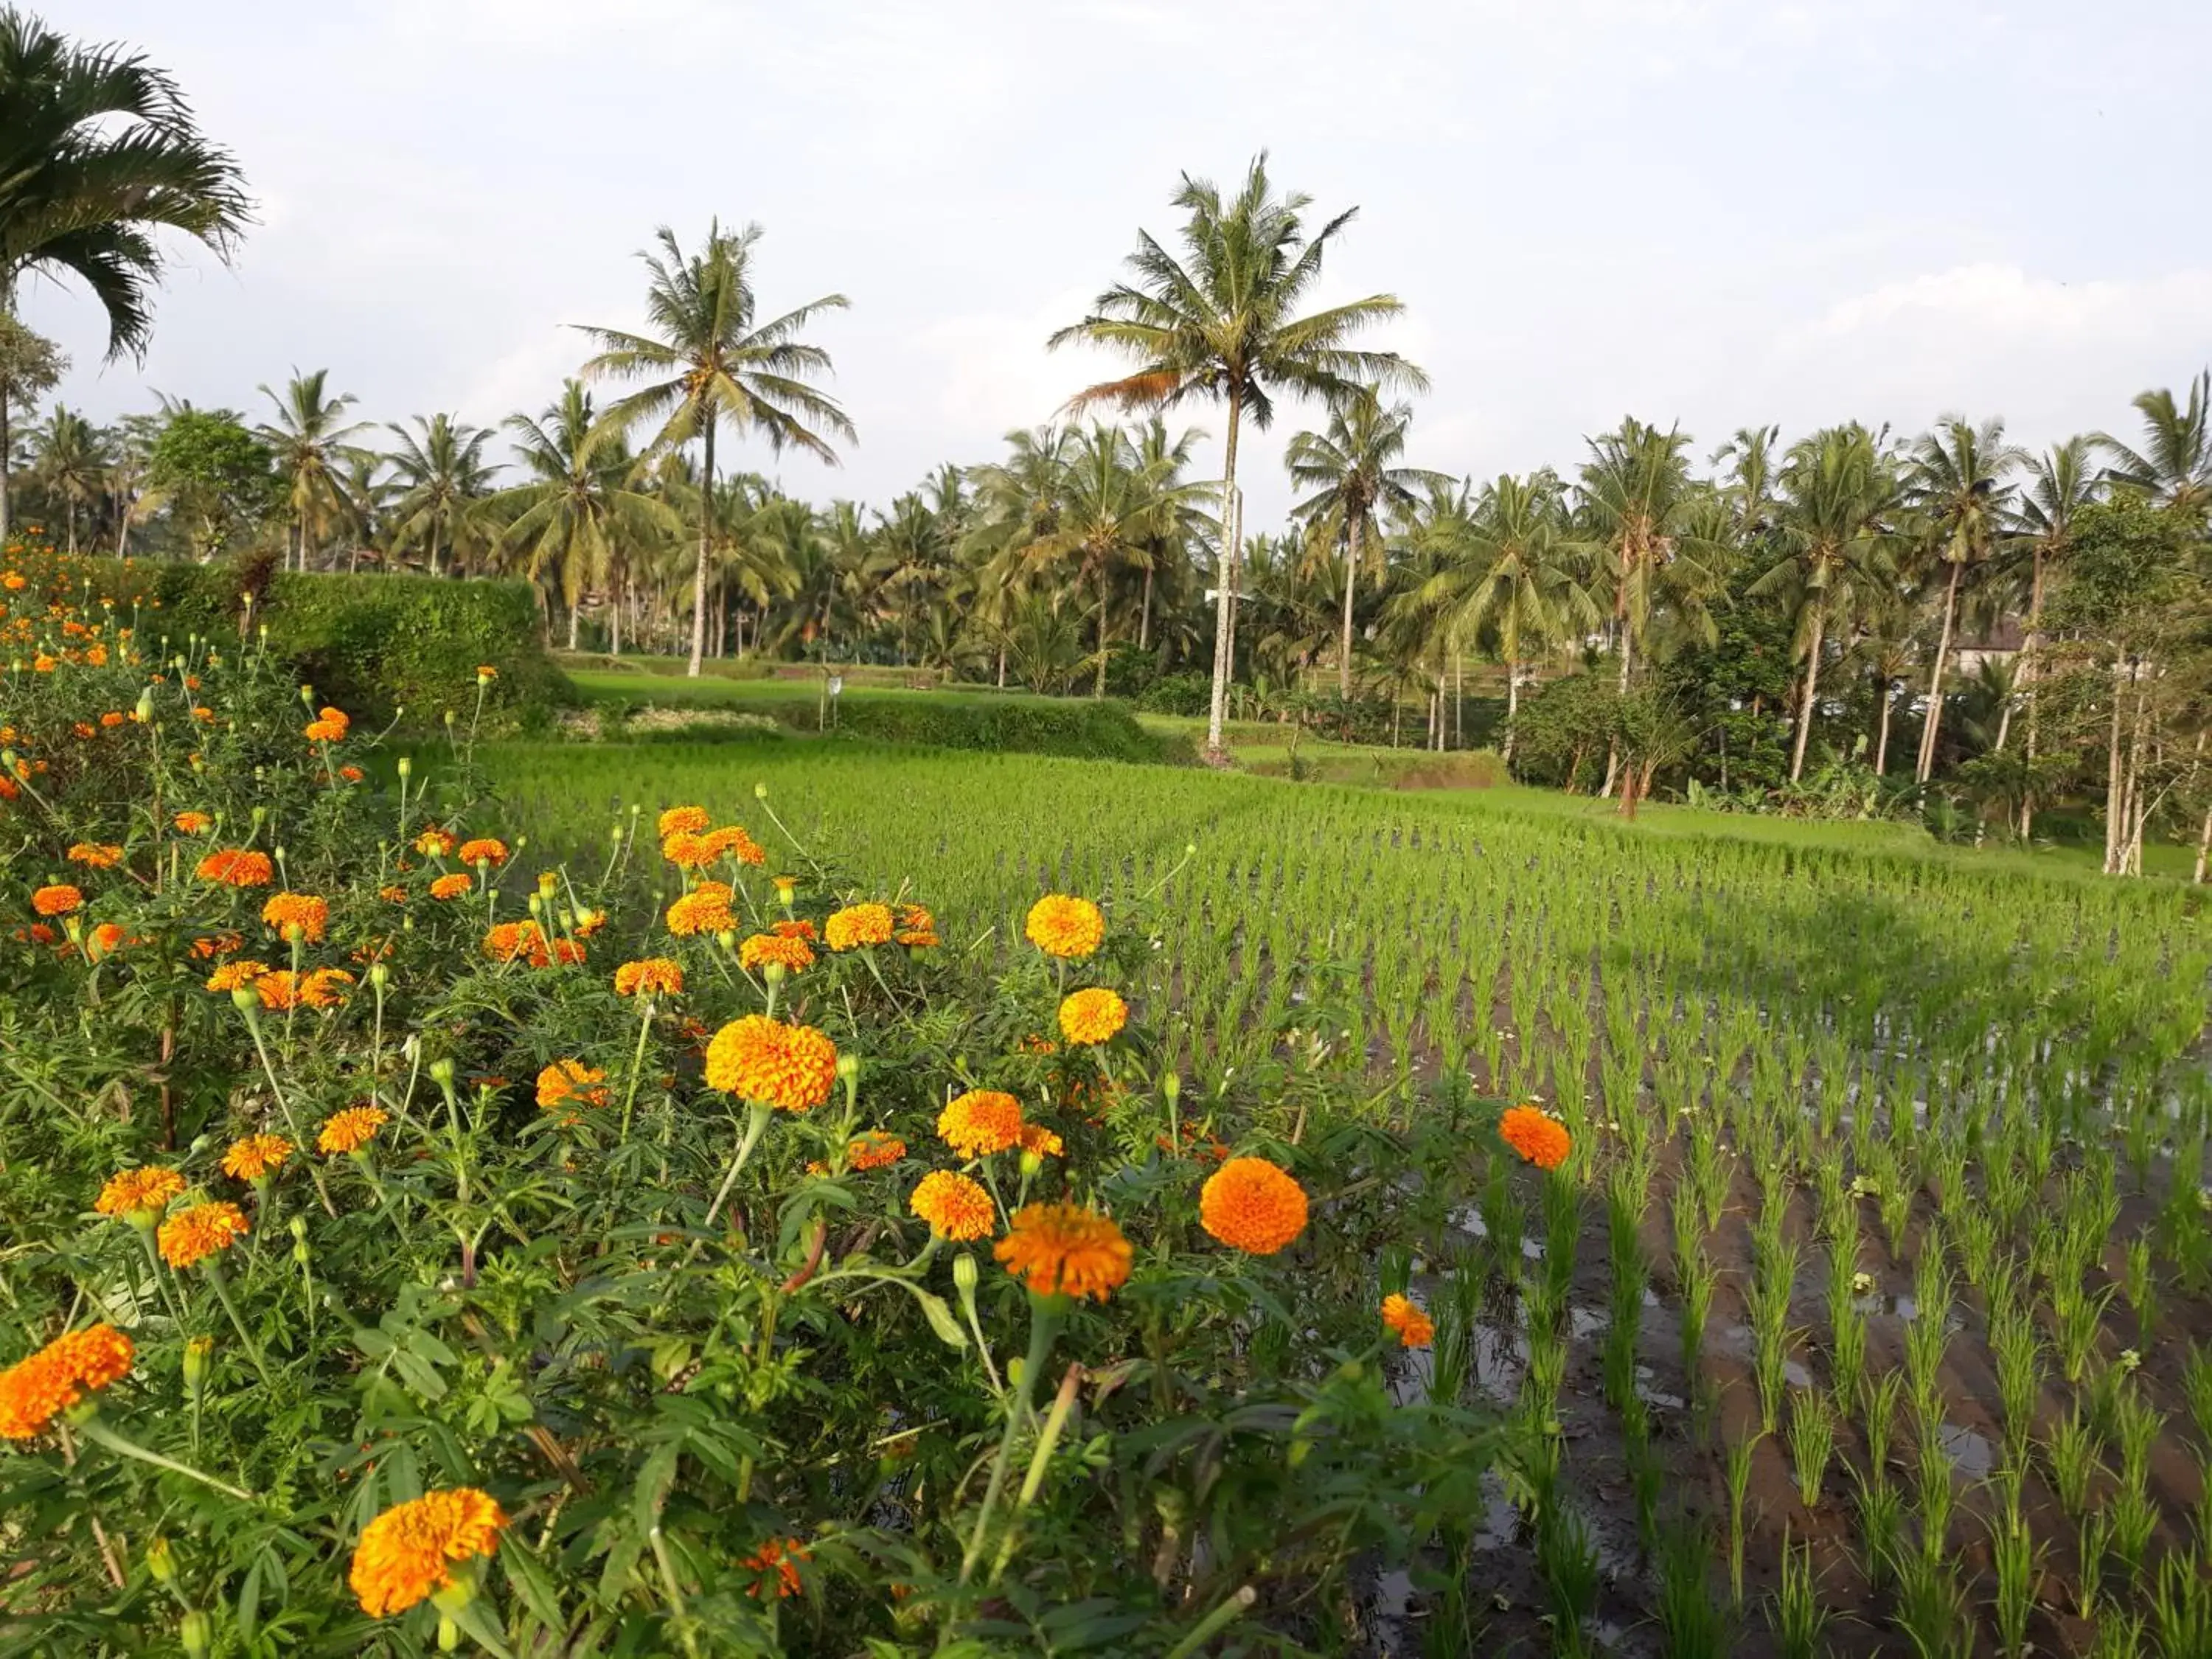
x=954, y=1207
x=1062, y=925
x=1537, y=1136
x=408, y=1553
x=1093, y=1016
x=1065, y=1250
x=980, y=1122
x=790, y=1068
x=857, y=926
x=191, y=1236
x=1252, y=1205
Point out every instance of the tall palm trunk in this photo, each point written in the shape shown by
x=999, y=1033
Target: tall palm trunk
x=1098, y=686
x=2029, y=647
x=1805, y=710
x=1145, y=615
x=1218, y=705
x=7, y=459
x=699, y=570
x=1351, y=581
x=2115, y=780
x=1881, y=742
x=1932, y=723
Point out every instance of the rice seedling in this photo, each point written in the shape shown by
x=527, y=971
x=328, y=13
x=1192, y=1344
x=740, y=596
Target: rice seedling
x=1800, y=1614
x=1879, y=1397
x=2071, y=1451
x=1567, y=1560
x=2196, y=1390
x=2015, y=1561
x=1740, y=1451
x=1932, y=1613
x=2119, y=1633
x=2181, y=1606
x=1812, y=1441
x=2016, y=1353
x=2092, y=1544
x=2139, y=1285
x=1692, y=1624
x=2133, y=1519
x=1933, y=1492
x=1847, y=1353
x=2135, y=1425
x=2077, y=1318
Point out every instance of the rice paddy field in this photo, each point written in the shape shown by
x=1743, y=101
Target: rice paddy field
x=1895, y=1251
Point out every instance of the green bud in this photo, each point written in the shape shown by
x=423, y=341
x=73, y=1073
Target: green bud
x=196, y=1635
x=145, y=705
x=380, y=974
x=195, y=1365
x=451, y=717
x=162, y=1562
x=243, y=998
x=848, y=1067
x=308, y=695
x=760, y=792
x=1171, y=1086
x=1032, y=1161
x=728, y=941
x=406, y=766
x=441, y=1073
x=773, y=973
x=964, y=1273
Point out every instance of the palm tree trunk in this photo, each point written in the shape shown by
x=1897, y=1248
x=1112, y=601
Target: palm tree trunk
x=1459, y=696
x=1351, y=582
x=1002, y=667
x=2115, y=781
x=2204, y=849
x=122, y=527
x=699, y=570
x=614, y=615
x=2029, y=647
x=1512, y=700
x=1805, y=712
x=1933, y=721
x=7, y=456
x=574, y=612
x=1218, y=705
x=1145, y=616
x=1881, y=742
x=1098, y=685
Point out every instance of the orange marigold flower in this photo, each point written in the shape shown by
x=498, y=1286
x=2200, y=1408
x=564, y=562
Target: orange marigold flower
x=690, y=820
x=954, y=1206
x=1252, y=1205
x=84, y=729
x=323, y=731
x=139, y=1195
x=917, y=928
x=687, y=850
x=1538, y=1136
x=351, y=773
x=704, y=909
x=279, y=989
x=452, y=886
x=393, y=894
x=1065, y=1250
x=731, y=842
x=112, y=719
x=1060, y=926
x=324, y=987
x=980, y=1122
x=566, y=1080
x=858, y=925
x=38, y=1388
x=1415, y=1328
x=485, y=849
x=232, y=975
x=759, y=950
x=566, y=952
x=237, y=866
x=1035, y=1138
x=219, y=945
x=57, y=899
x=191, y=1236
x=653, y=976
x=1093, y=1015
x=798, y=928
x=775, y=1562
x=95, y=855
x=106, y=937
x=409, y=1553
x=351, y=1130
x=512, y=941
x=589, y=922
x=255, y=1156
x=193, y=823
x=769, y=1063
x=305, y=911
x=434, y=842
x=873, y=1149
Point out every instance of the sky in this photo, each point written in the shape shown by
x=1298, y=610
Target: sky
x=1701, y=211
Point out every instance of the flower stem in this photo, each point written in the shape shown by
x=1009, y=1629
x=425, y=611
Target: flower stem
x=94, y=1430
x=636, y=1065
x=223, y=1295
x=1044, y=1322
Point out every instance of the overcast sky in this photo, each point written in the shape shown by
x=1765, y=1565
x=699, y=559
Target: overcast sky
x=1717, y=212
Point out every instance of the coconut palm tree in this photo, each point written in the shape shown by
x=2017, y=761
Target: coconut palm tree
x=583, y=502
x=1221, y=323
x=711, y=362
x=2175, y=463
x=1638, y=519
x=440, y=474
x=99, y=154
x=1835, y=535
x=1506, y=569
x=1955, y=479
x=2060, y=483
x=309, y=441
x=1352, y=470
x=70, y=460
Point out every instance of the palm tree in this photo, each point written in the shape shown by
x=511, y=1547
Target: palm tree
x=1506, y=568
x=70, y=460
x=710, y=362
x=2059, y=484
x=2175, y=463
x=309, y=443
x=1221, y=323
x=583, y=501
x=98, y=152
x=1351, y=469
x=1637, y=507
x=1837, y=492
x=441, y=474
x=1955, y=479
x=1016, y=504
x=31, y=365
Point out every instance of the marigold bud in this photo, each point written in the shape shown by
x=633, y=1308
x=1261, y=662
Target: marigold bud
x=195, y=1634
x=760, y=792
x=964, y=1273
x=406, y=767
x=245, y=998
x=1171, y=1086
x=162, y=1562
x=441, y=1073
x=848, y=1067
x=197, y=1354
x=379, y=976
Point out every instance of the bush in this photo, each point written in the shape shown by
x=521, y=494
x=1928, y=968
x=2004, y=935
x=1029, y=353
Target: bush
x=444, y=1202
x=374, y=645
x=1185, y=694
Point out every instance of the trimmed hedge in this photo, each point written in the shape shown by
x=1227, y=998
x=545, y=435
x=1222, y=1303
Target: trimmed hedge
x=377, y=645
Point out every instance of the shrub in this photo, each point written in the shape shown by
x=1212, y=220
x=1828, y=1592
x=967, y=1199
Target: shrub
x=616, y=1281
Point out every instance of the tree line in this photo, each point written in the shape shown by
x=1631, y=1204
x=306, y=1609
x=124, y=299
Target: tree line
x=1770, y=623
